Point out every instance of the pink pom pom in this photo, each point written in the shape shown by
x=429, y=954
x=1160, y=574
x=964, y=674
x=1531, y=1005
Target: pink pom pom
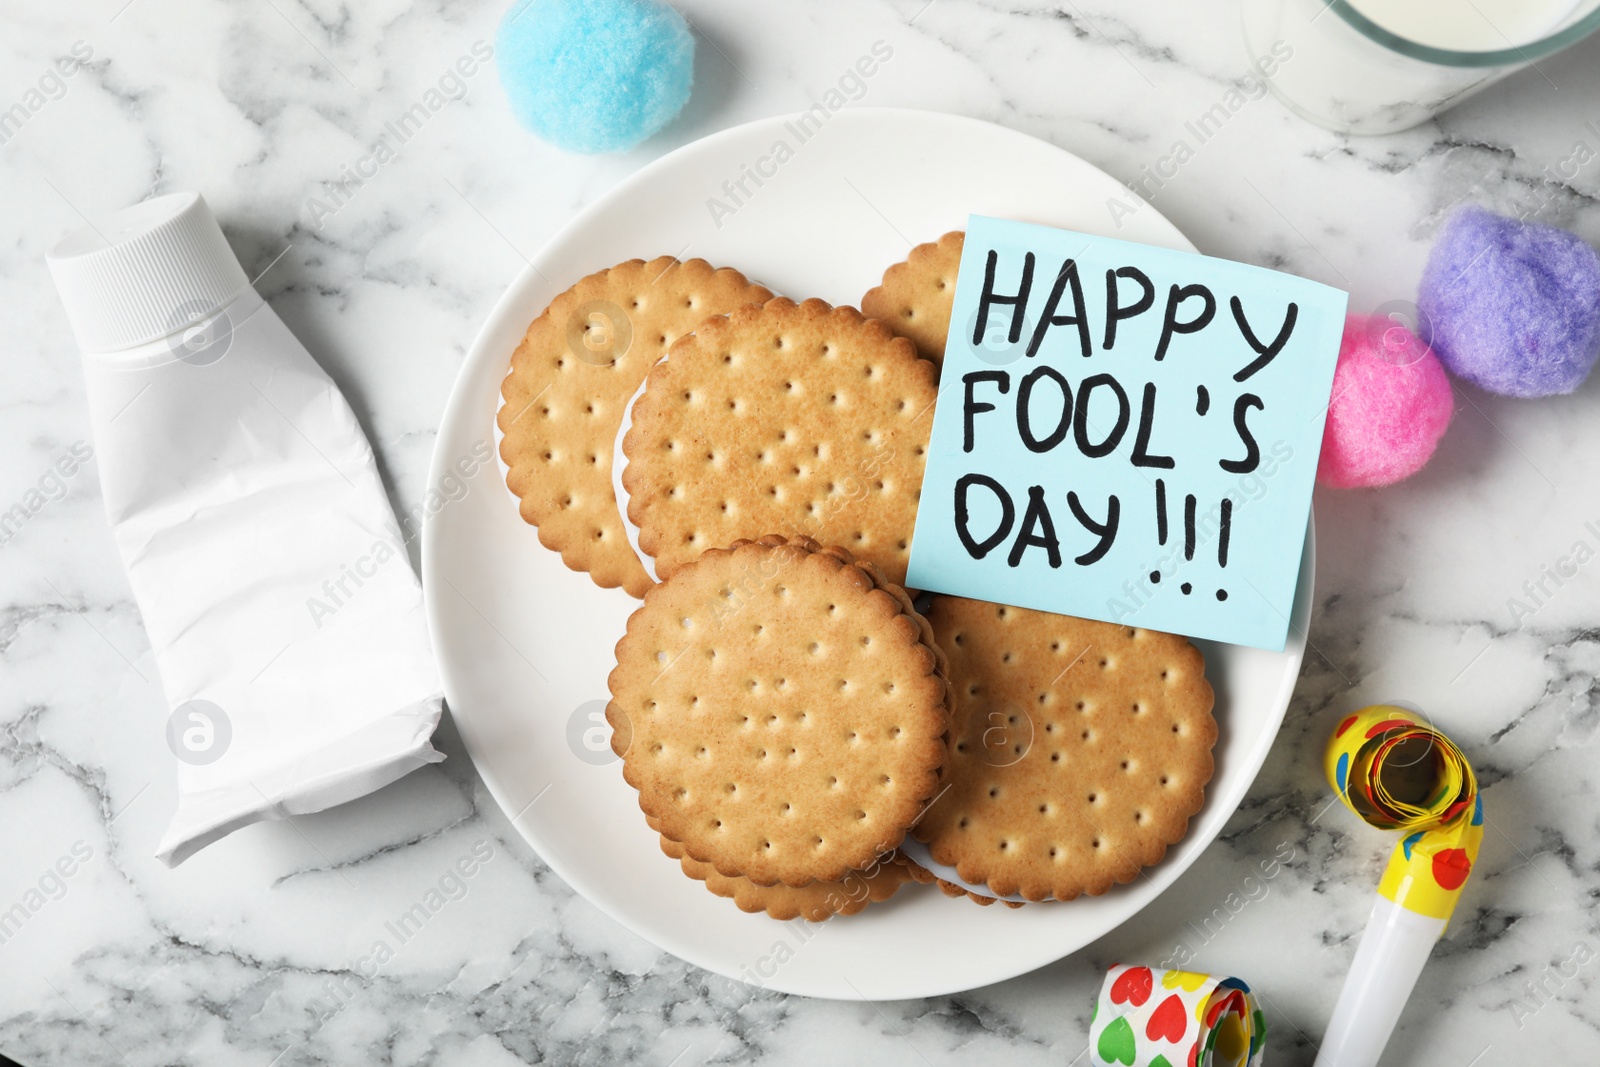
x=1391, y=404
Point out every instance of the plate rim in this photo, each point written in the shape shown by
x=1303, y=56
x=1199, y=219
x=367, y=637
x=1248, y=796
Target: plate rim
x=478, y=360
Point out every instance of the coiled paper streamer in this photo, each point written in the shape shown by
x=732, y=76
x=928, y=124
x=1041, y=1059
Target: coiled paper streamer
x=1396, y=772
x=1151, y=1018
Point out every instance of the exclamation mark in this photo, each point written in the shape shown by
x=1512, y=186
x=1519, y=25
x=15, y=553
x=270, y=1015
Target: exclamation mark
x=1189, y=504
x=1223, y=529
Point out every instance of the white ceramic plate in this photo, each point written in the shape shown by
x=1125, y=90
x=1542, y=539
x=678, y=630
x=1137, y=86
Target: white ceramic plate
x=525, y=644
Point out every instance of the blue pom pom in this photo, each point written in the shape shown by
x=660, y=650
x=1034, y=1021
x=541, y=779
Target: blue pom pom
x=595, y=75
x=1514, y=306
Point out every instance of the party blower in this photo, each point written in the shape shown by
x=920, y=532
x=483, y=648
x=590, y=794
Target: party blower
x=1398, y=773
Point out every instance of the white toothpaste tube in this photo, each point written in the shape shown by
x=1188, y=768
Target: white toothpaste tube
x=271, y=576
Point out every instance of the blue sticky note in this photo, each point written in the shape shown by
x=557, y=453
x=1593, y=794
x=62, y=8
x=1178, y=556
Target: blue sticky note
x=1126, y=433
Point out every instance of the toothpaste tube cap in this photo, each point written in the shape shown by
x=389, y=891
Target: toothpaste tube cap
x=144, y=273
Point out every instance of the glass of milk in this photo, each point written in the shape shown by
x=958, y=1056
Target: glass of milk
x=1376, y=66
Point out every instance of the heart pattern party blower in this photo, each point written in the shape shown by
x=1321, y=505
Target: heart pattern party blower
x=1153, y=1018
x=1398, y=773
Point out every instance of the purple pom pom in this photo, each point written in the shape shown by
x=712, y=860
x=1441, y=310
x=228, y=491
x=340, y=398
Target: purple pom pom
x=1514, y=306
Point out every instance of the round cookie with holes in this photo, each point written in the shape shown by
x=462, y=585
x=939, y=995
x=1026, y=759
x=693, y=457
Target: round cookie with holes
x=916, y=294
x=782, y=711
x=800, y=418
x=577, y=367
x=1079, y=750
x=813, y=903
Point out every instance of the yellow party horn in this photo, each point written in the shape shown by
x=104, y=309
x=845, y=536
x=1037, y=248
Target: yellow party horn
x=1397, y=772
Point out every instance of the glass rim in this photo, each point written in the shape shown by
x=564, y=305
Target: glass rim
x=1449, y=57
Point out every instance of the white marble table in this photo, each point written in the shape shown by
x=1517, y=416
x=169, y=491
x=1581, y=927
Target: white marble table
x=254, y=951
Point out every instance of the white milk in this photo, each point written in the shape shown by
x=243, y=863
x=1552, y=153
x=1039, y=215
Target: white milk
x=1328, y=71
x=1473, y=25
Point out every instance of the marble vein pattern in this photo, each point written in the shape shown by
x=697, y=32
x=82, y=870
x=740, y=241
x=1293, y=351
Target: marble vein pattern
x=289, y=942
